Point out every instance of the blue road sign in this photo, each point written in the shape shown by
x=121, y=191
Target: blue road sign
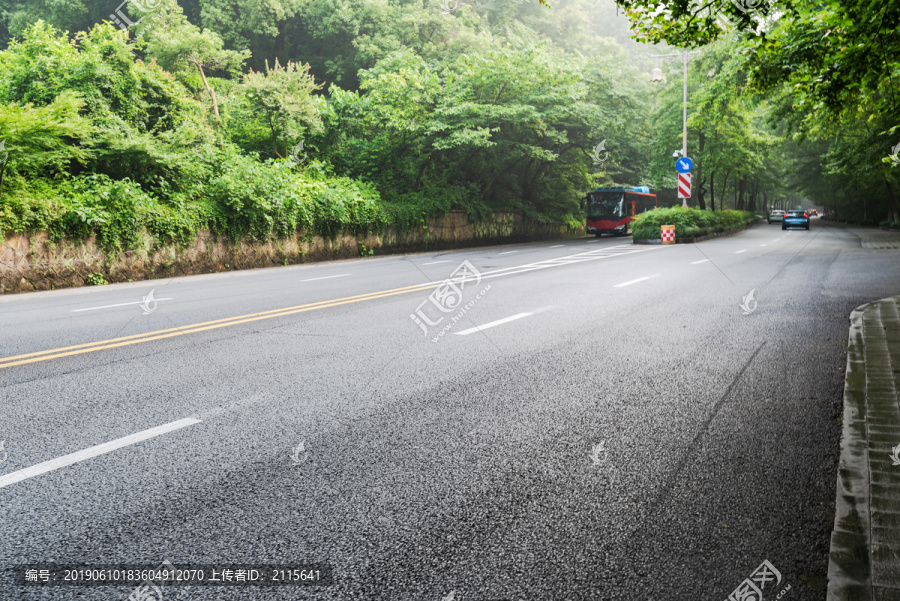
x=684, y=165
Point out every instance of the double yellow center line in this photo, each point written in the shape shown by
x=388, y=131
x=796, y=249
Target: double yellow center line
x=101, y=345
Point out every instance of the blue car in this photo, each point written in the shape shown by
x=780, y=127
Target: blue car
x=795, y=218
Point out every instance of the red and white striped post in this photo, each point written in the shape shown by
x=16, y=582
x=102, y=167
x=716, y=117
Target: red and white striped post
x=684, y=186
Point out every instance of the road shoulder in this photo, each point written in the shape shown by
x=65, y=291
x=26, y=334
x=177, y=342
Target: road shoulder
x=865, y=542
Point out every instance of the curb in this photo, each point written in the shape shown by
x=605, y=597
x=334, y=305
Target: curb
x=863, y=555
x=695, y=239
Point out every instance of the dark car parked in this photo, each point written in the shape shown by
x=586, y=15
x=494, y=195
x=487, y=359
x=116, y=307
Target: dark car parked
x=795, y=218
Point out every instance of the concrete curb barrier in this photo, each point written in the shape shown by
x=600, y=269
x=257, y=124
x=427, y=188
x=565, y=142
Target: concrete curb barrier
x=864, y=562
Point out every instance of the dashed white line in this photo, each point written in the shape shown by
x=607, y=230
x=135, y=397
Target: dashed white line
x=436, y=262
x=327, y=277
x=100, y=449
x=701, y=261
x=492, y=324
x=506, y=252
x=630, y=282
x=761, y=245
x=737, y=252
x=119, y=305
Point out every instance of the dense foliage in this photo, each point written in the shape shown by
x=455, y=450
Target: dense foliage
x=170, y=127
x=828, y=71
x=259, y=119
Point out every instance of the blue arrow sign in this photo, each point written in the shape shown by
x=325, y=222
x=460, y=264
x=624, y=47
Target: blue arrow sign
x=684, y=165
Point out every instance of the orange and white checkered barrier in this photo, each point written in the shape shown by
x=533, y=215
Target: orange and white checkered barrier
x=668, y=234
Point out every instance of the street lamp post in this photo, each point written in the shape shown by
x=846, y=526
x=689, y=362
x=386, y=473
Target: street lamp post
x=657, y=75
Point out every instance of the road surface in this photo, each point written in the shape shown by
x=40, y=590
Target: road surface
x=599, y=421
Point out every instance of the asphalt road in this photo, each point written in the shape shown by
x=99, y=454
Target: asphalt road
x=619, y=427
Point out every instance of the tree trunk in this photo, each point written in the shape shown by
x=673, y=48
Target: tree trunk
x=894, y=208
x=212, y=93
x=422, y=170
x=724, y=191
x=712, y=191
x=700, y=196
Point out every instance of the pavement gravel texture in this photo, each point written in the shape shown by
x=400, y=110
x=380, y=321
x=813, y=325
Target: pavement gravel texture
x=466, y=469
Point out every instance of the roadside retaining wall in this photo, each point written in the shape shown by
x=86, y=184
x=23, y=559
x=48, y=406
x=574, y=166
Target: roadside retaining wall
x=32, y=262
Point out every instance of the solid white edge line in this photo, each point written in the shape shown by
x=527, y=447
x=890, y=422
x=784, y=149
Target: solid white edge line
x=327, y=277
x=436, y=262
x=506, y=252
x=630, y=282
x=698, y=262
x=120, y=305
x=737, y=252
x=558, y=246
x=492, y=324
x=90, y=452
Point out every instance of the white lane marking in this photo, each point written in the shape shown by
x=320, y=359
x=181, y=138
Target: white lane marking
x=761, y=245
x=558, y=246
x=119, y=305
x=436, y=262
x=327, y=277
x=506, y=252
x=546, y=264
x=630, y=282
x=492, y=324
x=100, y=449
x=737, y=252
x=698, y=262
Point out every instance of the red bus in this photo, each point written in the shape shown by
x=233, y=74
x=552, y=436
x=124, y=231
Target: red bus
x=610, y=210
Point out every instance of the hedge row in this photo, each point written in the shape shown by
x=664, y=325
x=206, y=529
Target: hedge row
x=688, y=222
x=241, y=198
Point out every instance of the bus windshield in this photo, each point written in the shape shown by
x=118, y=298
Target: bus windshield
x=605, y=205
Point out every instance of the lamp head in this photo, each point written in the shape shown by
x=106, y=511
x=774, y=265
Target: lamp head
x=656, y=74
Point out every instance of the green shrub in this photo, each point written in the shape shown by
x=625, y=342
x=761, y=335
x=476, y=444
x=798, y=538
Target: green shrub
x=95, y=279
x=691, y=232
x=895, y=225
x=688, y=222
